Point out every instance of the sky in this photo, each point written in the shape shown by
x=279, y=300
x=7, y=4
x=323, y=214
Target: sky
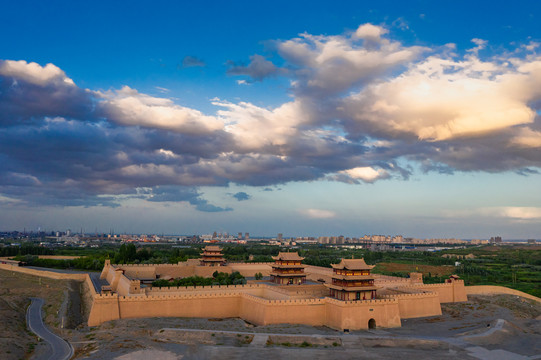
x=319, y=118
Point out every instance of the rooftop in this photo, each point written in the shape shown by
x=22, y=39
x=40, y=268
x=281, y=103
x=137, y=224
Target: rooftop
x=288, y=256
x=352, y=264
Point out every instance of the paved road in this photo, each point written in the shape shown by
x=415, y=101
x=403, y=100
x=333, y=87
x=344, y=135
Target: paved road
x=59, y=349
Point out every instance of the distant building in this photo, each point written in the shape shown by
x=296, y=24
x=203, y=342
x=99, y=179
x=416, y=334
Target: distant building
x=246, y=236
x=496, y=240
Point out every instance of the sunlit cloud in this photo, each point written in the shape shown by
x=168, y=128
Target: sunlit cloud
x=318, y=213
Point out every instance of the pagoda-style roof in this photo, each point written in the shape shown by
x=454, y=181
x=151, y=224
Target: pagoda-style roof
x=212, y=248
x=288, y=256
x=352, y=264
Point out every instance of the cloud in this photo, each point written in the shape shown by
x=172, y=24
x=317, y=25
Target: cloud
x=326, y=66
x=30, y=92
x=366, y=174
x=363, y=108
x=241, y=196
x=130, y=108
x=370, y=32
x=192, y=61
x=258, y=68
x=318, y=213
x=515, y=213
x=34, y=73
x=181, y=194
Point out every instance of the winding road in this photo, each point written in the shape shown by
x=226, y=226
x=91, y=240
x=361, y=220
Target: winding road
x=59, y=349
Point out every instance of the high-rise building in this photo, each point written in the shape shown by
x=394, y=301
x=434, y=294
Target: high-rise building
x=246, y=236
x=280, y=236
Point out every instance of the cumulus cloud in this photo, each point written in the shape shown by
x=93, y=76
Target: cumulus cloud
x=30, y=92
x=331, y=65
x=34, y=73
x=129, y=107
x=440, y=99
x=363, y=108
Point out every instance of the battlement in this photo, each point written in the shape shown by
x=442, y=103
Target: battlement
x=161, y=297
x=410, y=296
x=433, y=285
x=106, y=296
x=361, y=302
x=210, y=287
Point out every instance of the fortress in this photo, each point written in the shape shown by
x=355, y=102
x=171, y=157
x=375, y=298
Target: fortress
x=346, y=297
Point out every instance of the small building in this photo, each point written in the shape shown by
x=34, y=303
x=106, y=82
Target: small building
x=212, y=256
x=288, y=269
x=351, y=280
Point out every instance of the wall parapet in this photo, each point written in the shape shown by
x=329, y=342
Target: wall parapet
x=411, y=296
x=204, y=288
x=361, y=302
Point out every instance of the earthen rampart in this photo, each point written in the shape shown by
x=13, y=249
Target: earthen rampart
x=491, y=290
x=417, y=305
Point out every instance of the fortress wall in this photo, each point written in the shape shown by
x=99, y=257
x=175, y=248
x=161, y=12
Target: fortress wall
x=207, y=271
x=296, y=311
x=253, y=309
x=302, y=291
x=417, y=305
x=175, y=270
x=491, y=290
x=90, y=285
x=123, y=285
x=203, y=289
x=139, y=272
x=104, y=308
x=355, y=315
x=205, y=306
x=44, y=273
x=250, y=269
x=447, y=292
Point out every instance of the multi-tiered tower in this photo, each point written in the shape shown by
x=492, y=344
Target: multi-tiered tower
x=212, y=256
x=351, y=280
x=288, y=269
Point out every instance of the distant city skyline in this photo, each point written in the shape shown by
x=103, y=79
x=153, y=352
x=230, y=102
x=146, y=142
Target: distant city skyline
x=307, y=119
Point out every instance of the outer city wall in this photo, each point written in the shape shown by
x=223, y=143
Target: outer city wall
x=236, y=301
x=417, y=305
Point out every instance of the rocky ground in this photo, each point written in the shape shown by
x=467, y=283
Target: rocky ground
x=485, y=327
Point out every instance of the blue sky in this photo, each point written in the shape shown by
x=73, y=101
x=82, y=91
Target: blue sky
x=307, y=118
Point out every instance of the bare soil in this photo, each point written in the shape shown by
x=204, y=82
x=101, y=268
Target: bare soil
x=62, y=300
